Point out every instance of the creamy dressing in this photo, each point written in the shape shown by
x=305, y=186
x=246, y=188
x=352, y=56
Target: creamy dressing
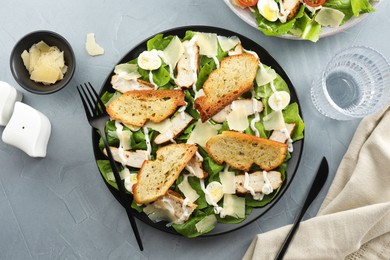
x=217, y=209
x=310, y=8
x=200, y=157
x=121, y=150
x=255, y=195
x=289, y=140
x=215, y=60
x=267, y=187
x=192, y=55
x=282, y=15
x=191, y=171
x=151, y=80
x=226, y=168
x=257, y=114
x=147, y=141
x=170, y=209
x=129, y=182
x=251, y=52
x=186, y=213
x=273, y=86
x=182, y=110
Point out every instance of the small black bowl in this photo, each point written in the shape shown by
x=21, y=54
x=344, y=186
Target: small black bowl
x=22, y=75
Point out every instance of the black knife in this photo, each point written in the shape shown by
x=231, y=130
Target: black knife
x=318, y=183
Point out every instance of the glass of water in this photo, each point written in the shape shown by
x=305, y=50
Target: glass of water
x=354, y=84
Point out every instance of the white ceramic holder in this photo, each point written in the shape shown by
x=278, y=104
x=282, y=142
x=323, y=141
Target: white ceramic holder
x=8, y=97
x=28, y=129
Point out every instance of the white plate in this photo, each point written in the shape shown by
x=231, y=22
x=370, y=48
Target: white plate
x=249, y=18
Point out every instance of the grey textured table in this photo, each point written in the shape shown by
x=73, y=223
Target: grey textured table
x=59, y=208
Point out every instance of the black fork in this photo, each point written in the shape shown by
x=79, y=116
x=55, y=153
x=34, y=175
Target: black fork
x=97, y=118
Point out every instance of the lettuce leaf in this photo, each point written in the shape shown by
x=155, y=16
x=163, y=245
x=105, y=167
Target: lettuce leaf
x=188, y=228
x=350, y=7
x=159, y=42
x=276, y=28
x=310, y=28
x=105, y=169
x=361, y=6
x=291, y=115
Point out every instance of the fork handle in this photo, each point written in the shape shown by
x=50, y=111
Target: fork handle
x=122, y=190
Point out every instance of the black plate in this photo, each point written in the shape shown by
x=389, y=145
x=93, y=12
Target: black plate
x=265, y=58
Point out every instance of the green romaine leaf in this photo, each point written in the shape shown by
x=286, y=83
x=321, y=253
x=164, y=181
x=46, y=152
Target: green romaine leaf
x=291, y=115
x=201, y=201
x=361, y=6
x=105, y=168
x=158, y=42
x=188, y=228
x=272, y=28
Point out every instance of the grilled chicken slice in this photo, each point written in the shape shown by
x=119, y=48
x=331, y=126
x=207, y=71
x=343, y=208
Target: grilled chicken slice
x=170, y=207
x=187, y=65
x=246, y=104
x=130, y=158
x=292, y=6
x=178, y=123
x=123, y=85
x=280, y=136
x=257, y=181
x=194, y=166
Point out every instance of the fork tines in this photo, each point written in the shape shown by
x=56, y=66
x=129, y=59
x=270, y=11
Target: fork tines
x=91, y=98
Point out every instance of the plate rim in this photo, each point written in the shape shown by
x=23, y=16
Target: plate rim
x=298, y=145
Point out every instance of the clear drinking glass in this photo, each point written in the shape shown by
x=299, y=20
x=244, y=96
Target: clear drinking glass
x=355, y=83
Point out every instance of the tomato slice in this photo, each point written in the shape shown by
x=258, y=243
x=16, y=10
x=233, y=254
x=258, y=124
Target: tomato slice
x=248, y=2
x=314, y=3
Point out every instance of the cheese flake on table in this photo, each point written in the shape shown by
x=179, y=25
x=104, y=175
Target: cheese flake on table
x=92, y=47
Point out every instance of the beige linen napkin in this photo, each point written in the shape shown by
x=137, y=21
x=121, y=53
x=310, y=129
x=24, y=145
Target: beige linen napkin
x=354, y=219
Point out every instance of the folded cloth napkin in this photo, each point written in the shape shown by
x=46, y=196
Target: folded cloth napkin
x=354, y=219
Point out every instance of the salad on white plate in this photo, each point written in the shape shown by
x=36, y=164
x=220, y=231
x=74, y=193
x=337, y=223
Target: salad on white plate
x=302, y=19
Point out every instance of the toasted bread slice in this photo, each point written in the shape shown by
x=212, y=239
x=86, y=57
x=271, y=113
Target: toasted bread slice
x=137, y=106
x=156, y=177
x=240, y=151
x=256, y=181
x=224, y=85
